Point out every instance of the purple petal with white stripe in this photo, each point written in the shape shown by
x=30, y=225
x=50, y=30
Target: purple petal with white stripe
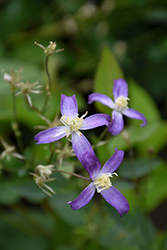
x=113, y=163
x=120, y=88
x=85, y=154
x=50, y=135
x=117, y=123
x=84, y=197
x=131, y=113
x=104, y=99
x=116, y=199
x=68, y=106
x=95, y=121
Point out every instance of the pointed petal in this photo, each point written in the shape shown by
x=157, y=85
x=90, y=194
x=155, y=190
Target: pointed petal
x=95, y=121
x=116, y=199
x=117, y=123
x=50, y=135
x=104, y=99
x=19, y=156
x=120, y=88
x=85, y=154
x=68, y=105
x=84, y=198
x=131, y=113
x=113, y=163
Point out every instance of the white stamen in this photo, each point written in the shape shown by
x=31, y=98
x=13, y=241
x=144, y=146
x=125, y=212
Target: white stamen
x=102, y=181
x=73, y=124
x=121, y=103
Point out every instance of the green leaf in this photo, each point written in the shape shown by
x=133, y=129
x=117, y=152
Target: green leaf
x=137, y=168
x=28, y=190
x=154, y=188
x=156, y=141
x=108, y=69
x=153, y=135
x=141, y=100
x=59, y=202
x=7, y=196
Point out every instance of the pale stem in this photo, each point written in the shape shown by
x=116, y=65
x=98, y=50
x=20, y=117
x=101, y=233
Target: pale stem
x=76, y=175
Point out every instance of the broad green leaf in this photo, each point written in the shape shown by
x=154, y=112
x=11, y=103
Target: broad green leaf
x=59, y=203
x=137, y=168
x=156, y=141
x=28, y=190
x=141, y=100
x=154, y=189
x=7, y=195
x=134, y=135
x=108, y=69
x=25, y=228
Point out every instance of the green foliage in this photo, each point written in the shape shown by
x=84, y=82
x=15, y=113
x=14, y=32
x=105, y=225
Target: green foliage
x=108, y=69
x=102, y=41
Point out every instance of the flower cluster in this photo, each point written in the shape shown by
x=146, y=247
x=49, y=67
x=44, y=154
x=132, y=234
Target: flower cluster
x=72, y=127
x=13, y=78
x=9, y=151
x=26, y=88
x=42, y=176
x=50, y=49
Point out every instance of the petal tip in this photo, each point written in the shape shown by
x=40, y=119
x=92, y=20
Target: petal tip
x=144, y=122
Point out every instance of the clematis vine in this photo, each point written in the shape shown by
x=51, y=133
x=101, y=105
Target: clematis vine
x=119, y=106
x=101, y=182
x=72, y=125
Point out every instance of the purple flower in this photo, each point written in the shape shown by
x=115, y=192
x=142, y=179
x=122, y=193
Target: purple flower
x=72, y=126
x=101, y=182
x=119, y=106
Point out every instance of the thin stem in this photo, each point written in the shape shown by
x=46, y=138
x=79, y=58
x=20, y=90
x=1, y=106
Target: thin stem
x=14, y=106
x=76, y=175
x=47, y=72
x=15, y=125
x=103, y=133
x=50, y=158
x=48, y=88
x=100, y=139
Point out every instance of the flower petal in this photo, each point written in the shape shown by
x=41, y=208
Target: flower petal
x=120, y=88
x=95, y=121
x=68, y=106
x=83, y=199
x=113, y=163
x=104, y=99
x=117, y=123
x=131, y=113
x=116, y=199
x=50, y=135
x=85, y=154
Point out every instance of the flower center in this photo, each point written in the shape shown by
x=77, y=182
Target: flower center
x=121, y=103
x=102, y=181
x=73, y=124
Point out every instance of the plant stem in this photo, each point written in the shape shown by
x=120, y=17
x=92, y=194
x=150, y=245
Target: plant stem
x=76, y=175
x=48, y=88
x=47, y=72
x=15, y=125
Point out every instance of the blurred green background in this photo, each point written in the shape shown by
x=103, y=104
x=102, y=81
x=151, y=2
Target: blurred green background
x=102, y=40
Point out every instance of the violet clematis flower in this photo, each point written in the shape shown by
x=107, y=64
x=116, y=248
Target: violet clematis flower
x=72, y=124
x=101, y=182
x=120, y=106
